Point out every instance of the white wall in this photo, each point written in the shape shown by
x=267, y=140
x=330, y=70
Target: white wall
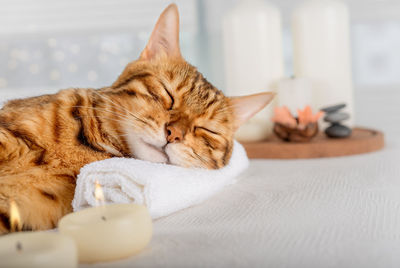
x=86, y=43
x=79, y=43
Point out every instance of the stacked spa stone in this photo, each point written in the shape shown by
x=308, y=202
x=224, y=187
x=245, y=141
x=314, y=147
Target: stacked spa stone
x=335, y=117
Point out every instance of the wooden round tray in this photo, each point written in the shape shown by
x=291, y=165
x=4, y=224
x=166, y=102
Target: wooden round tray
x=361, y=141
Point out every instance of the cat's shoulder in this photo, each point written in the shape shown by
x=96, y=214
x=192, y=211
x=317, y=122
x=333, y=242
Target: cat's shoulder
x=31, y=101
x=41, y=100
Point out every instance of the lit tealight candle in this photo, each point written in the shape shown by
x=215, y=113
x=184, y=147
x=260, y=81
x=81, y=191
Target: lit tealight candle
x=36, y=249
x=108, y=232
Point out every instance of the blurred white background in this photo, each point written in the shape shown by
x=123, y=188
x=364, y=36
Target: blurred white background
x=46, y=45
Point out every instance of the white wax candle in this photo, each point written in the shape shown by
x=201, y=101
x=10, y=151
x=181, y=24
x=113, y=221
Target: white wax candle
x=294, y=93
x=37, y=249
x=253, y=59
x=322, y=51
x=108, y=232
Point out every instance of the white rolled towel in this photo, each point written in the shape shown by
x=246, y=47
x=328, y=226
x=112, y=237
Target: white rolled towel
x=163, y=188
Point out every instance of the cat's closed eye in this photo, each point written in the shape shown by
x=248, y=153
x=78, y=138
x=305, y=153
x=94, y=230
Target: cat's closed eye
x=170, y=95
x=206, y=129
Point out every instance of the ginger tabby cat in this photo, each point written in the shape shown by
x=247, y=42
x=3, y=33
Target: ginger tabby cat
x=160, y=109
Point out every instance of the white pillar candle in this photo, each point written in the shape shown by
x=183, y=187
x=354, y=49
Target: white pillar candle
x=253, y=59
x=322, y=51
x=294, y=93
x=109, y=232
x=37, y=249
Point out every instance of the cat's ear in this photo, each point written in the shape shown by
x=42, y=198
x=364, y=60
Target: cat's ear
x=165, y=36
x=245, y=107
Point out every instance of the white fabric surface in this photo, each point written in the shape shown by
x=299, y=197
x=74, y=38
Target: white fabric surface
x=336, y=212
x=164, y=189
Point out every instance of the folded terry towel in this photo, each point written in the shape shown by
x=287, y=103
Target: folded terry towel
x=163, y=188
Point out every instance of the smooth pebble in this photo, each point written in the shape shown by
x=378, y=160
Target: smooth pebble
x=333, y=108
x=336, y=117
x=338, y=131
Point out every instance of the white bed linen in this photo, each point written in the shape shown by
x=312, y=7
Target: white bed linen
x=337, y=212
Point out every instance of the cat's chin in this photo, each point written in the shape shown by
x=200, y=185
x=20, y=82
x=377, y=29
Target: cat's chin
x=157, y=154
x=144, y=150
x=152, y=153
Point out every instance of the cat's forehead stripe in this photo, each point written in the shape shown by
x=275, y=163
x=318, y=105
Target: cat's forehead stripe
x=132, y=77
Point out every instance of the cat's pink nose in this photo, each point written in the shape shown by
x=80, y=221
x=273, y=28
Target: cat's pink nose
x=174, y=134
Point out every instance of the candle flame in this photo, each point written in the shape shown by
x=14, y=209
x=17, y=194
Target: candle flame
x=98, y=194
x=15, y=218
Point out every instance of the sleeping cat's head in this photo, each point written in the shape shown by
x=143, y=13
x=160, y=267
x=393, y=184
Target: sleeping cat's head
x=176, y=115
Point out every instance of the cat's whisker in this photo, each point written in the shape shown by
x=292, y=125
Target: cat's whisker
x=104, y=110
x=125, y=122
x=122, y=135
x=120, y=108
x=126, y=117
x=115, y=136
x=111, y=119
x=116, y=105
